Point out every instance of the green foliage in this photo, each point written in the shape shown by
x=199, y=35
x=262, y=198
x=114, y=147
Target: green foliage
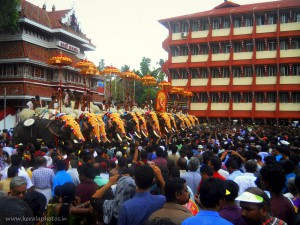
x=125, y=68
x=9, y=15
x=101, y=64
x=145, y=66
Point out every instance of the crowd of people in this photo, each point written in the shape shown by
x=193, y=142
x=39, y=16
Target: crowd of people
x=213, y=174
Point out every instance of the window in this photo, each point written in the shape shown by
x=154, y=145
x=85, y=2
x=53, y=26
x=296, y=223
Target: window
x=271, y=97
x=214, y=97
x=184, y=74
x=248, y=46
x=296, y=43
x=237, y=22
x=296, y=69
x=236, y=97
x=284, y=70
x=284, y=44
x=203, y=49
x=174, y=74
x=185, y=27
x=225, y=72
x=215, y=73
x=194, y=73
x=225, y=97
x=260, y=45
x=297, y=16
x=248, y=71
x=237, y=47
x=260, y=20
x=283, y=97
x=176, y=28
x=184, y=50
x=215, y=48
x=195, y=50
x=248, y=21
x=195, y=26
x=284, y=17
x=174, y=51
x=259, y=96
x=247, y=97
x=272, y=18
x=216, y=24
x=260, y=72
x=272, y=45
x=296, y=96
x=226, y=23
x=236, y=72
x=204, y=72
x=203, y=97
x=226, y=47
x=272, y=71
x=204, y=24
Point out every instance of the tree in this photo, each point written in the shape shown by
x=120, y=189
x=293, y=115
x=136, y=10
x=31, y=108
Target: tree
x=101, y=64
x=9, y=15
x=125, y=68
x=145, y=66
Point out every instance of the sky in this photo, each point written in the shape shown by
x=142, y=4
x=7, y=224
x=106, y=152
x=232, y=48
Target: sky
x=125, y=31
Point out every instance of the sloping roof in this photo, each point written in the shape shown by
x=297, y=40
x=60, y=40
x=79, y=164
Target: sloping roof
x=248, y=8
x=11, y=50
x=227, y=4
x=51, y=19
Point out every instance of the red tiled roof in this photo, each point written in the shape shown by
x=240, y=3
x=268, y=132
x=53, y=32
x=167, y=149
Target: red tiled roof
x=11, y=50
x=97, y=98
x=12, y=89
x=51, y=19
x=248, y=8
x=42, y=91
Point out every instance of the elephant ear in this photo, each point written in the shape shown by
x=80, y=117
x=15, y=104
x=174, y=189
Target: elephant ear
x=54, y=127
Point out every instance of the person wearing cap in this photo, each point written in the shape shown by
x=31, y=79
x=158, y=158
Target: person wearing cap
x=212, y=194
x=256, y=208
x=42, y=177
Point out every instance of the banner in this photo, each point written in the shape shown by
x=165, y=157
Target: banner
x=100, y=87
x=161, y=101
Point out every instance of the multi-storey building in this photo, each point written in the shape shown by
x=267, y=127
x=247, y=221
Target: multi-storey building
x=240, y=61
x=24, y=57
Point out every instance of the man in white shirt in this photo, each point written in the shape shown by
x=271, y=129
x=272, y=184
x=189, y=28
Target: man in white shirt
x=248, y=179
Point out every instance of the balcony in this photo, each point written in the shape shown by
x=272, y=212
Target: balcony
x=290, y=79
x=294, y=107
x=179, y=82
x=242, y=80
x=221, y=32
x=176, y=36
x=199, y=106
x=242, y=55
x=220, y=57
x=199, y=82
x=289, y=53
x=290, y=26
x=266, y=28
x=200, y=34
x=265, y=106
x=220, y=81
x=179, y=59
x=242, y=106
x=242, y=30
x=199, y=58
x=266, y=80
x=219, y=106
x=266, y=54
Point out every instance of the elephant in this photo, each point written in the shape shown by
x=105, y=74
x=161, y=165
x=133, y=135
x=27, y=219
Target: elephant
x=102, y=128
x=143, y=124
x=132, y=125
x=89, y=126
x=173, y=123
x=153, y=125
x=180, y=124
x=62, y=128
x=164, y=122
x=116, y=127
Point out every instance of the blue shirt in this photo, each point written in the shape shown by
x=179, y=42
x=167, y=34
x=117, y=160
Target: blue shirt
x=206, y=217
x=235, y=174
x=60, y=178
x=137, y=210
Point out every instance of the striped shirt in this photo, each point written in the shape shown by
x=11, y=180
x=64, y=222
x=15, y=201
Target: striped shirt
x=42, y=178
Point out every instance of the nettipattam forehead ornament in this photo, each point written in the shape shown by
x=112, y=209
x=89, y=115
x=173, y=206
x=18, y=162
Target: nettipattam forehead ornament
x=249, y=197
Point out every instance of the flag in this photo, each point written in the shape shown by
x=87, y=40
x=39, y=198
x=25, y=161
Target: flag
x=100, y=87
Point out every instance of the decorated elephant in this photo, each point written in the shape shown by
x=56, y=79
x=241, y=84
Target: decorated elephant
x=153, y=125
x=192, y=120
x=180, y=124
x=143, y=124
x=164, y=122
x=116, y=127
x=132, y=124
x=102, y=128
x=89, y=126
x=62, y=128
x=173, y=123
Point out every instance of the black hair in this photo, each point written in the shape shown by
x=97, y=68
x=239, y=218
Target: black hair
x=144, y=176
x=206, y=169
x=233, y=188
x=174, y=172
x=122, y=162
x=251, y=166
x=60, y=165
x=40, y=161
x=211, y=192
x=182, y=163
x=12, y=171
x=159, y=152
x=37, y=202
x=207, y=155
x=172, y=186
x=287, y=165
x=216, y=163
x=160, y=221
x=87, y=170
x=274, y=176
x=231, y=163
x=16, y=160
x=143, y=154
x=68, y=191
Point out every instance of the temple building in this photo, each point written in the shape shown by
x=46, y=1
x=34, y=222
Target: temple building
x=242, y=62
x=24, y=57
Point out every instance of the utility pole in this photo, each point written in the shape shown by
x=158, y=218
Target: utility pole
x=5, y=108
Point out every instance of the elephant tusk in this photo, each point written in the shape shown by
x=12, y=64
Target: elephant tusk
x=139, y=136
x=75, y=141
x=144, y=134
x=166, y=129
x=173, y=130
x=119, y=137
x=128, y=138
x=155, y=133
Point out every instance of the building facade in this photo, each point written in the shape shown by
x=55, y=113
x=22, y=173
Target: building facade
x=240, y=61
x=24, y=57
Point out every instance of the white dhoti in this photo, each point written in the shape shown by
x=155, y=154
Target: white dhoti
x=46, y=192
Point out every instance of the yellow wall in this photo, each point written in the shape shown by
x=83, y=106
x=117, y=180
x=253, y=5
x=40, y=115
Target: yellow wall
x=220, y=57
x=176, y=36
x=290, y=80
x=289, y=53
x=199, y=82
x=266, y=80
x=289, y=26
x=179, y=59
x=200, y=34
x=265, y=106
x=199, y=58
x=242, y=55
x=289, y=107
x=220, y=81
x=266, y=28
x=199, y=106
x=242, y=80
x=242, y=106
x=265, y=54
x=179, y=82
x=220, y=32
x=242, y=30
x=219, y=106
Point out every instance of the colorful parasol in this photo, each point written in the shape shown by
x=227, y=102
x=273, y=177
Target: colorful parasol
x=165, y=85
x=108, y=70
x=60, y=60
